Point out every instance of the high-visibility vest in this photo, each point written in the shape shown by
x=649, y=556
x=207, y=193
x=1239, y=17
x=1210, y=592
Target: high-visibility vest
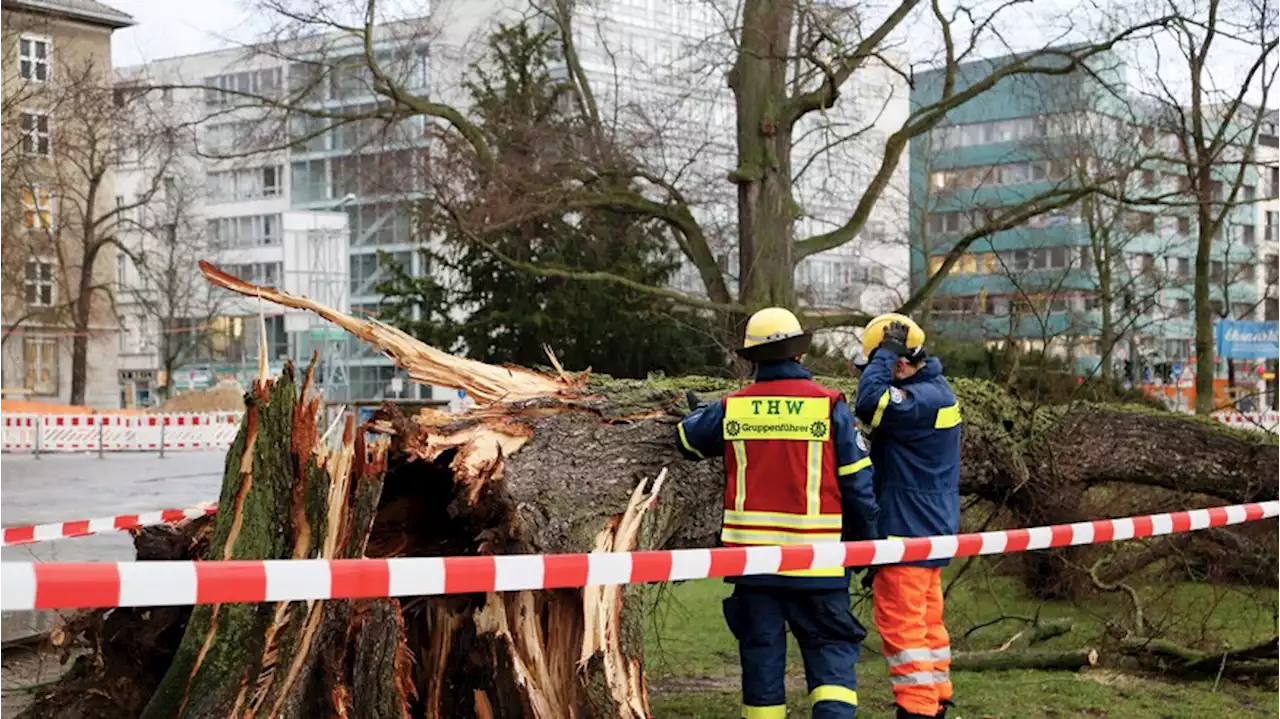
x=781, y=467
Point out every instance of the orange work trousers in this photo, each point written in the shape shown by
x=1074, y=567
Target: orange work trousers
x=908, y=613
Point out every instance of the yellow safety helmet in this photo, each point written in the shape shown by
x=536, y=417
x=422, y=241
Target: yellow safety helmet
x=774, y=334
x=873, y=335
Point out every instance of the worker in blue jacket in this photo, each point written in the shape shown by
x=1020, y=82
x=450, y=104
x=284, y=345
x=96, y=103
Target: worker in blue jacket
x=913, y=418
x=797, y=473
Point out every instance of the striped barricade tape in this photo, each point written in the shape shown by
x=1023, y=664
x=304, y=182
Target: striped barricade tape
x=84, y=527
x=168, y=583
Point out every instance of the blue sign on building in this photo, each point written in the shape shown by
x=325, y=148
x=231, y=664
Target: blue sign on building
x=1246, y=339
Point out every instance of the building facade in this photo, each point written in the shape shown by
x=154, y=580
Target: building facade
x=1057, y=280
x=640, y=57
x=58, y=267
x=246, y=184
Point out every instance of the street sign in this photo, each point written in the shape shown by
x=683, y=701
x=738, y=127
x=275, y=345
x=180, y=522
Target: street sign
x=1176, y=371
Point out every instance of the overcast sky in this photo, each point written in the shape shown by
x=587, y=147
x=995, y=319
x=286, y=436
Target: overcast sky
x=166, y=28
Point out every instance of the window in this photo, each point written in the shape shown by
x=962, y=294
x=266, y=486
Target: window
x=1086, y=258
x=247, y=231
x=1242, y=310
x=1146, y=262
x=1181, y=308
x=935, y=264
x=35, y=133
x=1246, y=272
x=1273, y=269
x=33, y=59
x=250, y=184
x=1148, y=178
x=989, y=262
x=37, y=208
x=1248, y=234
x=39, y=283
x=1184, y=267
x=1184, y=225
x=266, y=274
x=40, y=360
x=1248, y=193
x=1215, y=271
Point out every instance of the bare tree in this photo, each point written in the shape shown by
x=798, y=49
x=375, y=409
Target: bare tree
x=786, y=64
x=170, y=293
x=1213, y=125
x=64, y=157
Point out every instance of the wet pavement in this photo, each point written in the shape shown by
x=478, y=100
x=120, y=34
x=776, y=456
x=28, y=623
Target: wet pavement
x=64, y=487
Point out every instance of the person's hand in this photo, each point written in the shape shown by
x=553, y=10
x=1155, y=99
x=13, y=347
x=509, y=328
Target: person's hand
x=694, y=403
x=895, y=339
x=869, y=578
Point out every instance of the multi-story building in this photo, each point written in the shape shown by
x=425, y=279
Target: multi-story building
x=1044, y=284
x=246, y=183
x=58, y=190
x=1267, y=220
x=656, y=69
x=641, y=59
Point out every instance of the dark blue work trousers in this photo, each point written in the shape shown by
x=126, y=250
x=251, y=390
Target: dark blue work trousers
x=830, y=640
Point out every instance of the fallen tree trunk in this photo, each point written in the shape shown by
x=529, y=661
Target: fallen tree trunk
x=1260, y=661
x=1043, y=659
x=546, y=463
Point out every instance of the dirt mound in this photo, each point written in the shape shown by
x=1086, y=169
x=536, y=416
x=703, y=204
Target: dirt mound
x=226, y=396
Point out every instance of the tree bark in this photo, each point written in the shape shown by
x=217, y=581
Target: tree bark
x=80, y=321
x=1043, y=659
x=766, y=207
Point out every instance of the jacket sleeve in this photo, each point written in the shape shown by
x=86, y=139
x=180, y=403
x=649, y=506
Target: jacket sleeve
x=879, y=403
x=855, y=476
x=701, y=434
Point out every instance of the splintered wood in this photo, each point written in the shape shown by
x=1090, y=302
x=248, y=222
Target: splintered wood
x=426, y=364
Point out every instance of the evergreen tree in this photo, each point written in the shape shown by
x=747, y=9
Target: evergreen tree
x=506, y=314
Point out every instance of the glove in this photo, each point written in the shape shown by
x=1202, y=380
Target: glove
x=869, y=578
x=694, y=403
x=895, y=339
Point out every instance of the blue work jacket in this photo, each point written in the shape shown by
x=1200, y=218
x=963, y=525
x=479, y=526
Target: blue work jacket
x=915, y=448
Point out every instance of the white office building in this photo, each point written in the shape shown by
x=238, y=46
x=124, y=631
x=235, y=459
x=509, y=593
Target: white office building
x=647, y=61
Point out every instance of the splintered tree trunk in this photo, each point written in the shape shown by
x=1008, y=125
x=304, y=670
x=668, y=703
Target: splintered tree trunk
x=285, y=496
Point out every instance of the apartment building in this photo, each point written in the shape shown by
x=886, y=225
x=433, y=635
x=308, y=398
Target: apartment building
x=247, y=188
x=57, y=65
x=640, y=57
x=1040, y=283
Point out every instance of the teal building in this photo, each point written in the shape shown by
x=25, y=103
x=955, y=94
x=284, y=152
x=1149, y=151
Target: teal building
x=1040, y=283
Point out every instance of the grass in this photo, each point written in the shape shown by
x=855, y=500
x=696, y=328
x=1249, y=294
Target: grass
x=692, y=659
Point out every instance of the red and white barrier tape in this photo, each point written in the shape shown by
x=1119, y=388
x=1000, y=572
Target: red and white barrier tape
x=84, y=527
x=168, y=583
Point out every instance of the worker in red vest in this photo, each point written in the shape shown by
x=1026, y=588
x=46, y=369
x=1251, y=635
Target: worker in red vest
x=796, y=474
x=914, y=421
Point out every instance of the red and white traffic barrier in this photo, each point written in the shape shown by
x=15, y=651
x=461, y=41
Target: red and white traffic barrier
x=1268, y=421
x=84, y=527
x=166, y=583
x=114, y=433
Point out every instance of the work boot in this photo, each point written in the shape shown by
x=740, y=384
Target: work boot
x=904, y=714
x=943, y=706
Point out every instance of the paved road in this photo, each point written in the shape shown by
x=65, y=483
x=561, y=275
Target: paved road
x=61, y=487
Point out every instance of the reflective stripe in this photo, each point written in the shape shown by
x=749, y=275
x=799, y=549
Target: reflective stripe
x=783, y=519
x=685, y=441
x=813, y=480
x=941, y=677
x=948, y=417
x=740, y=457
x=906, y=656
x=941, y=654
x=776, y=537
x=774, y=712
x=880, y=407
x=833, y=693
x=855, y=467
x=914, y=678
